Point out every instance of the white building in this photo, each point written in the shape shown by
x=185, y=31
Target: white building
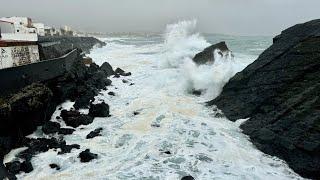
x=39, y=28
x=16, y=47
x=10, y=32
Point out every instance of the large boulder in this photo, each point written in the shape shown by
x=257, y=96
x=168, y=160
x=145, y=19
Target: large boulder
x=99, y=110
x=24, y=111
x=280, y=93
x=75, y=118
x=209, y=54
x=107, y=68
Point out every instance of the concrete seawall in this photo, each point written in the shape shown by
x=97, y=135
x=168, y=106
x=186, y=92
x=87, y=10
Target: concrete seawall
x=13, y=79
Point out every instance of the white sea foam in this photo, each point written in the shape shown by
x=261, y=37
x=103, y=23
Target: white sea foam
x=132, y=147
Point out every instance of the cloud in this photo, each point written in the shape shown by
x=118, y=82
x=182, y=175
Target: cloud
x=246, y=17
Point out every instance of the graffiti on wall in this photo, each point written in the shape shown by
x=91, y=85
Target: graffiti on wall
x=4, y=55
x=18, y=55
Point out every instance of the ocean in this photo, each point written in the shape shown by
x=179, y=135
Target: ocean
x=173, y=134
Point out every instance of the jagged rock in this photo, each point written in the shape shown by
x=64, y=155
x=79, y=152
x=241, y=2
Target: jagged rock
x=122, y=72
x=75, y=118
x=280, y=93
x=94, y=133
x=207, y=55
x=107, y=68
x=51, y=127
x=86, y=156
x=99, y=110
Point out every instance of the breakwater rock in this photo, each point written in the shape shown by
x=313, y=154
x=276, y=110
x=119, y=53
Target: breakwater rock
x=208, y=55
x=280, y=93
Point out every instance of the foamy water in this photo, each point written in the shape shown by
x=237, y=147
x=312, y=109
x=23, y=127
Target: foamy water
x=169, y=119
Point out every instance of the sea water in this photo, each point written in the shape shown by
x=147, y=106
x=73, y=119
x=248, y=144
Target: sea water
x=174, y=133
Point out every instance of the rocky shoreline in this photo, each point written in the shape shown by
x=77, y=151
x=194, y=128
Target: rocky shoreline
x=22, y=112
x=279, y=93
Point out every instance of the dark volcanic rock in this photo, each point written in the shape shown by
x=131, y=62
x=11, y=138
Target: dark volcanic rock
x=207, y=55
x=54, y=166
x=99, y=110
x=66, y=131
x=122, y=72
x=75, y=118
x=36, y=146
x=54, y=127
x=107, y=68
x=280, y=92
x=86, y=156
x=94, y=133
x=50, y=127
x=111, y=93
x=187, y=178
x=26, y=110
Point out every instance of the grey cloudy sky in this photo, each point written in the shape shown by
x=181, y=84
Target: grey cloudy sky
x=244, y=17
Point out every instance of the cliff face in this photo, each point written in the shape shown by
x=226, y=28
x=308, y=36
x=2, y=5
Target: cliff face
x=280, y=93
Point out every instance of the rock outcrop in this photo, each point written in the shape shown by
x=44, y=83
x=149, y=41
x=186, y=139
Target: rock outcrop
x=280, y=93
x=34, y=105
x=208, y=54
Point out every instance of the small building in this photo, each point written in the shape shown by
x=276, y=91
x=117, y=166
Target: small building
x=39, y=28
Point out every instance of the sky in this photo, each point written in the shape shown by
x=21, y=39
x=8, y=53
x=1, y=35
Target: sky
x=237, y=17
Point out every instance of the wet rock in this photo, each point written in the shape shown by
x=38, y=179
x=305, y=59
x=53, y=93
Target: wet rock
x=122, y=72
x=219, y=115
x=87, y=156
x=65, y=131
x=197, y=92
x=16, y=167
x=107, y=68
x=187, y=178
x=280, y=93
x=51, y=127
x=111, y=93
x=94, y=133
x=207, y=55
x=75, y=118
x=167, y=152
x=24, y=111
x=99, y=110
x=54, y=166
x=13, y=167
